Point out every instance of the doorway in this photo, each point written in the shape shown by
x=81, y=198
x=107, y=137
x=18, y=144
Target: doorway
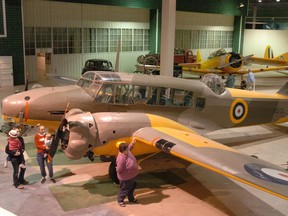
x=43, y=62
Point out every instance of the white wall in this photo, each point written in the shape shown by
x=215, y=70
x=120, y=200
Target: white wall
x=38, y=13
x=255, y=42
x=204, y=21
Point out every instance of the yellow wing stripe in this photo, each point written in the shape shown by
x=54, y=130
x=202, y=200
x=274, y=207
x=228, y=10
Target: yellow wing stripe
x=227, y=174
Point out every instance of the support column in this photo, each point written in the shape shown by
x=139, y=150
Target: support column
x=167, y=37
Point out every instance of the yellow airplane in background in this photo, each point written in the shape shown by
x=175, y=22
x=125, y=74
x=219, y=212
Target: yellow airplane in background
x=163, y=114
x=220, y=62
x=281, y=60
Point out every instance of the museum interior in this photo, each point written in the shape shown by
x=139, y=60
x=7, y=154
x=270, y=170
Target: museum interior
x=196, y=91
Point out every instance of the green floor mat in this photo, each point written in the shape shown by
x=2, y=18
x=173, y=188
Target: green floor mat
x=86, y=194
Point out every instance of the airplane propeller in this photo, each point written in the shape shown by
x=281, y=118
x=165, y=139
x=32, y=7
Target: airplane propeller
x=235, y=61
x=59, y=135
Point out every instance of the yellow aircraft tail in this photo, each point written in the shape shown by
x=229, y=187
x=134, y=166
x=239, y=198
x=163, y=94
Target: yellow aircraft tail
x=198, y=57
x=268, y=54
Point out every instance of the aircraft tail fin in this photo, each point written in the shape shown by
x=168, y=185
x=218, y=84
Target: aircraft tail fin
x=268, y=54
x=198, y=57
x=284, y=90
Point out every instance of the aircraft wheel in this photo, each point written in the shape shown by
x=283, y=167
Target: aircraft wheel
x=113, y=172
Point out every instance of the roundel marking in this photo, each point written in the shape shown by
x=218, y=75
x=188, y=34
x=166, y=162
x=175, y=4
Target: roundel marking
x=238, y=111
x=267, y=173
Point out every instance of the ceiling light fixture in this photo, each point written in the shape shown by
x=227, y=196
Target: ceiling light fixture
x=241, y=5
x=259, y=0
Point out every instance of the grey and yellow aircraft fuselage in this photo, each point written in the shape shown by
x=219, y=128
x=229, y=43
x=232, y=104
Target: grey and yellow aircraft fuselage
x=189, y=102
x=162, y=114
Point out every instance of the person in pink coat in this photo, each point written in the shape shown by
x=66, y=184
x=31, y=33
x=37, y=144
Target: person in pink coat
x=127, y=170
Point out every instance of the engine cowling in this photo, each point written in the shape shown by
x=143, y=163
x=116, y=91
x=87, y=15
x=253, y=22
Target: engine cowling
x=84, y=131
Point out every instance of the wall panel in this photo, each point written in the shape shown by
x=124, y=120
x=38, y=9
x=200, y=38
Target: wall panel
x=255, y=41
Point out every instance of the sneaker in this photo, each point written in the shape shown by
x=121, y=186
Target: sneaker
x=121, y=204
x=53, y=180
x=6, y=164
x=43, y=180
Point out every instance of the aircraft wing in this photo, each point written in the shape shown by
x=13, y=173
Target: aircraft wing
x=217, y=157
x=242, y=71
x=265, y=61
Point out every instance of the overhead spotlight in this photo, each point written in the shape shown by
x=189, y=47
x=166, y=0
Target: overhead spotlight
x=241, y=5
x=277, y=0
x=259, y=0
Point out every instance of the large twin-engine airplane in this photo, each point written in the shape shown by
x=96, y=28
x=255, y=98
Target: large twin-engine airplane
x=162, y=113
x=220, y=62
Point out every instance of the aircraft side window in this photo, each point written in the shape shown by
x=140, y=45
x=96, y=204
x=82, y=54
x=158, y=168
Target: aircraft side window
x=152, y=96
x=123, y=94
x=188, y=98
x=80, y=82
x=105, y=94
x=166, y=97
x=94, y=89
x=178, y=97
x=200, y=104
x=140, y=94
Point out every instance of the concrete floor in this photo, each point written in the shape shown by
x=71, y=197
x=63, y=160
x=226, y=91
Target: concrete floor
x=200, y=192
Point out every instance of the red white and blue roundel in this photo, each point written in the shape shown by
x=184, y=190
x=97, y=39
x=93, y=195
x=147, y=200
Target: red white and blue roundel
x=238, y=111
x=268, y=174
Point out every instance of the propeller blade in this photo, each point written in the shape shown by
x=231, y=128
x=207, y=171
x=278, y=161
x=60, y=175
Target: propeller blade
x=233, y=62
x=56, y=138
x=60, y=134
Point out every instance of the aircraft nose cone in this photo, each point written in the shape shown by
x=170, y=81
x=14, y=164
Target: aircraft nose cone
x=12, y=105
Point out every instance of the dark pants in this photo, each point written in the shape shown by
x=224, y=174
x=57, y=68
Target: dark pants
x=41, y=162
x=18, y=178
x=127, y=188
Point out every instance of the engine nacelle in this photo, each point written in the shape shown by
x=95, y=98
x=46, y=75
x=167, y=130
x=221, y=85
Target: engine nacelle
x=85, y=131
x=79, y=134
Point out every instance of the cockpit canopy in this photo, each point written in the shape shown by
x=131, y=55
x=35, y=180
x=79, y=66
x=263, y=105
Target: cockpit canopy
x=113, y=88
x=219, y=52
x=214, y=82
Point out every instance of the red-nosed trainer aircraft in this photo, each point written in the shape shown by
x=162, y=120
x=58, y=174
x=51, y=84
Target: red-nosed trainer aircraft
x=162, y=113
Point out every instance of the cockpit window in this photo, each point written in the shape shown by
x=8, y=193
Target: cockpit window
x=105, y=94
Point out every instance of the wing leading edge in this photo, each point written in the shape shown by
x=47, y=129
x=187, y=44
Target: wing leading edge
x=218, y=158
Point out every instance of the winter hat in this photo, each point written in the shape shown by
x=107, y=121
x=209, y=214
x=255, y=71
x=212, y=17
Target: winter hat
x=13, y=133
